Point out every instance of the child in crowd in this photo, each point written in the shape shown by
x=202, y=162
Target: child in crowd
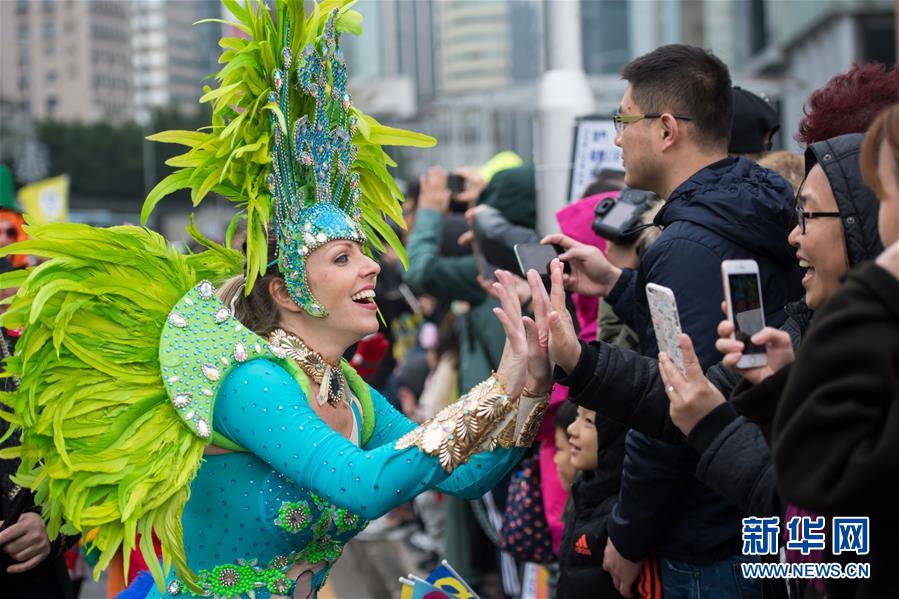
x=593, y=493
x=565, y=417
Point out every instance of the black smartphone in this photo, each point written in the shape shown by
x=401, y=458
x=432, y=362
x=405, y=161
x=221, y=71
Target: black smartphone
x=485, y=269
x=455, y=183
x=537, y=256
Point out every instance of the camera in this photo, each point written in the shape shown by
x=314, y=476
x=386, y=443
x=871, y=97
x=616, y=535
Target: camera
x=618, y=219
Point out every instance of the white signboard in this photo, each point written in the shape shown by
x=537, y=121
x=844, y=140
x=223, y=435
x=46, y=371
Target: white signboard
x=594, y=150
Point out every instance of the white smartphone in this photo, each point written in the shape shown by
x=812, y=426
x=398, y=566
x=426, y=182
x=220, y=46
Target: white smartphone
x=743, y=294
x=666, y=322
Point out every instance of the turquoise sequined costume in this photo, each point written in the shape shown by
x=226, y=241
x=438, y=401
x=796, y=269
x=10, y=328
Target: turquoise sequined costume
x=304, y=490
x=295, y=491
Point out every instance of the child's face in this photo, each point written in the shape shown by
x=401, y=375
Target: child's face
x=584, y=444
x=562, y=458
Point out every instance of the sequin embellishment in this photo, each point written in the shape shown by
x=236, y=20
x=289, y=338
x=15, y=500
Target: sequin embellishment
x=462, y=428
x=294, y=516
x=196, y=351
x=242, y=579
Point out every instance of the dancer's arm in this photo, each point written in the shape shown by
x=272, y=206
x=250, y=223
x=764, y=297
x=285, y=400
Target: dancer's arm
x=261, y=408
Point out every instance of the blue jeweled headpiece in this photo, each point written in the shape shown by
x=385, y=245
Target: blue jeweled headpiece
x=315, y=192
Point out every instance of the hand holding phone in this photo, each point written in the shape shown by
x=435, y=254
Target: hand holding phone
x=743, y=296
x=456, y=184
x=666, y=322
x=538, y=257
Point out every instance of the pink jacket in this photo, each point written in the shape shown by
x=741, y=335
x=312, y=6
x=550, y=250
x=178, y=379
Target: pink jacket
x=575, y=220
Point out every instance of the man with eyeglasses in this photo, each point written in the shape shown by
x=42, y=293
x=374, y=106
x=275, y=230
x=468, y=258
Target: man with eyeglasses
x=673, y=126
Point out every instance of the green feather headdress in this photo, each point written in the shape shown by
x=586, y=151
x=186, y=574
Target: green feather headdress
x=271, y=168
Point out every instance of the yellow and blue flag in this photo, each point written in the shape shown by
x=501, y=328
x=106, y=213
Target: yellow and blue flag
x=446, y=578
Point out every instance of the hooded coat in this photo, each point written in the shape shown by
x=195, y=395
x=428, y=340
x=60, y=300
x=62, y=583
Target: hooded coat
x=831, y=415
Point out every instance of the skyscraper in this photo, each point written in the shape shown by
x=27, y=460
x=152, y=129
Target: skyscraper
x=67, y=60
x=170, y=56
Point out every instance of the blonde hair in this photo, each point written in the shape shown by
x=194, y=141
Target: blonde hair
x=256, y=310
x=789, y=165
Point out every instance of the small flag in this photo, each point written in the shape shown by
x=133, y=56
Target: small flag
x=442, y=583
x=446, y=578
x=426, y=590
x=46, y=201
x=408, y=588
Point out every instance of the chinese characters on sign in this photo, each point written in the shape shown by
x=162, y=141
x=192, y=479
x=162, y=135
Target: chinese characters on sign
x=806, y=534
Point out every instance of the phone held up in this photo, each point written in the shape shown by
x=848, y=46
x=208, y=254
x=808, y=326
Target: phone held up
x=538, y=256
x=456, y=185
x=666, y=322
x=743, y=294
x=485, y=268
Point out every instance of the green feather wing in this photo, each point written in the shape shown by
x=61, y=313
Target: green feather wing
x=101, y=444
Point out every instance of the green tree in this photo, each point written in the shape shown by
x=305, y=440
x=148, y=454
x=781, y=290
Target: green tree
x=105, y=160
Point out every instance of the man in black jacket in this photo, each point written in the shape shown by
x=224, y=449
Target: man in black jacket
x=674, y=128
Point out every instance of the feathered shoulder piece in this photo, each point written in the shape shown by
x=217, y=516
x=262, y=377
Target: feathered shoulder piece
x=101, y=445
x=287, y=145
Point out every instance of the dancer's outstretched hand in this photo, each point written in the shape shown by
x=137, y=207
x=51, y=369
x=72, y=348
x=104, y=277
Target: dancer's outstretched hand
x=513, y=366
x=552, y=315
x=540, y=374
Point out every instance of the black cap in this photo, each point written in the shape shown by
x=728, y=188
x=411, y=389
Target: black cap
x=754, y=117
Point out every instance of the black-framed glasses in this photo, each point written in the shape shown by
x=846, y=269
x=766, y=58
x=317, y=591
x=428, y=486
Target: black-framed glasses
x=802, y=216
x=621, y=120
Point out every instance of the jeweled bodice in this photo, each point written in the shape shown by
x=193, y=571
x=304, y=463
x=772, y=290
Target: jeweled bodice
x=242, y=509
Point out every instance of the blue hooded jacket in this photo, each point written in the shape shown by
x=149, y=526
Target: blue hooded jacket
x=730, y=210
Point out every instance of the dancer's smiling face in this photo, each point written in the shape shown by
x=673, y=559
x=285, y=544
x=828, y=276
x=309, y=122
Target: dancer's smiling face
x=342, y=278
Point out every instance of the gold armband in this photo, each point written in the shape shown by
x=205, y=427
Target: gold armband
x=459, y=430
x=531, y=408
